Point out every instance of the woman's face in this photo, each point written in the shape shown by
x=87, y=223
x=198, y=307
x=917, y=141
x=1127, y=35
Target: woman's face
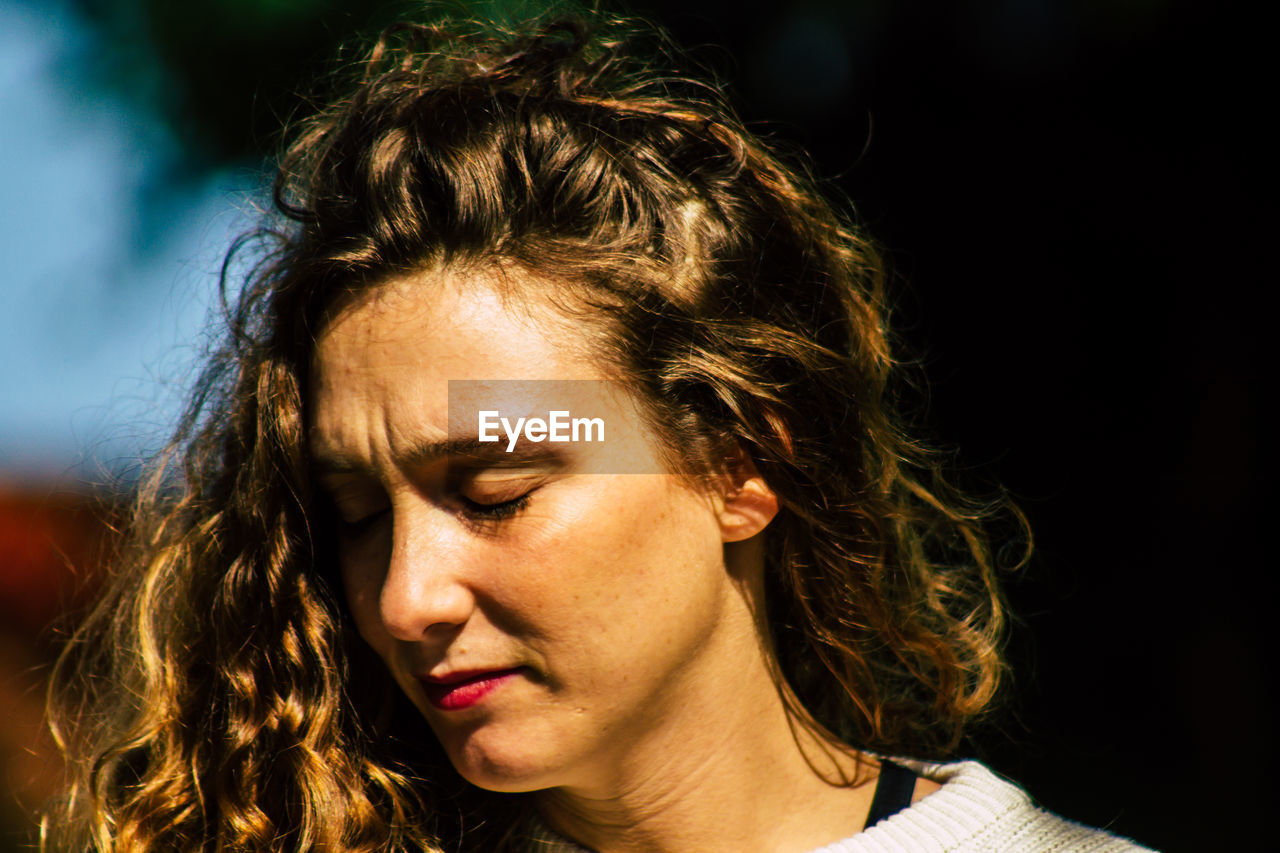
x=547, y=617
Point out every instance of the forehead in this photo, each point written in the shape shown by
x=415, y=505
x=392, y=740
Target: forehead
x=385, y=363
x=467, y=324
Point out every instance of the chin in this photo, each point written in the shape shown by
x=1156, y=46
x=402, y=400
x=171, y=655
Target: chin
x=506, y=768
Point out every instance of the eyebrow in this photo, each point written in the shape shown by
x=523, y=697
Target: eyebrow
x=469, y=450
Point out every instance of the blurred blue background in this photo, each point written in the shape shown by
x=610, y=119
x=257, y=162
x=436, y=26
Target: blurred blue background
x=113, y=230
x=1078, y=197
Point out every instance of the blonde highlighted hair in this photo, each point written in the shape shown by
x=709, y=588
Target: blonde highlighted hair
x=208, y=703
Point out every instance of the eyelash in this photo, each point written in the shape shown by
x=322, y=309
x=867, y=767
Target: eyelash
x=360, y=526
x=475, y=510
x=500, y=511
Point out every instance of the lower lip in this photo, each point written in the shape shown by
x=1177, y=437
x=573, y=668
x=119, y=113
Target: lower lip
x=458, y=695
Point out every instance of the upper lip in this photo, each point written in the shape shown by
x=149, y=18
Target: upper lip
x=454, y=676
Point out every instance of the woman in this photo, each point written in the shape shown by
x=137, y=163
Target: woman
x=385, y=607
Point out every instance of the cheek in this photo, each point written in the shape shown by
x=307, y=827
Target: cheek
x=632, y=554
x=363, y=590
x=362, y=566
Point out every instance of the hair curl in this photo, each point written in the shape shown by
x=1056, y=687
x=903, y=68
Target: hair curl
x=208, y=702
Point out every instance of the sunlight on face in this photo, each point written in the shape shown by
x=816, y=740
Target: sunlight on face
x=544, y=617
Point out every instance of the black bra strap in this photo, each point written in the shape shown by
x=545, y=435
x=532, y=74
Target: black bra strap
x=893, y=792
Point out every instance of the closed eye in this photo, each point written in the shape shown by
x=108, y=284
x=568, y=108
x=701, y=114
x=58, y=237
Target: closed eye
x=495, y=511
x=354, y=506
x=354, y=528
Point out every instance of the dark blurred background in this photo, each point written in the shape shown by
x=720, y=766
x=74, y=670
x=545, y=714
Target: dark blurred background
x=1075, y=196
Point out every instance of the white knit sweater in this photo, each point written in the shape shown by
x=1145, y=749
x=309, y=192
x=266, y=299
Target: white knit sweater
x=974, y=811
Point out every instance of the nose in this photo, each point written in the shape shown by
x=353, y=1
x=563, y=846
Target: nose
x=425, y=594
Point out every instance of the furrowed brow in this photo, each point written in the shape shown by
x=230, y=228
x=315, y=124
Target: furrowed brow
x=473, y=451
x=466, y=450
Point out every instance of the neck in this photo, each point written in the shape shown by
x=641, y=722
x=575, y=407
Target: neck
x=728, y=769
x=731, y=801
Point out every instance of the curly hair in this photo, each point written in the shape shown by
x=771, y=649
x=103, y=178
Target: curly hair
x=209, y=704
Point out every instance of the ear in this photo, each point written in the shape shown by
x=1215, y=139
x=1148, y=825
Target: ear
x=745, y=504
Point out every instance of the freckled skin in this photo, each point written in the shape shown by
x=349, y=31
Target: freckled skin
x=643, y=713
x=611, y=589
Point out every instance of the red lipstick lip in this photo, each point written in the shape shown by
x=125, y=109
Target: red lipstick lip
x=464, y=688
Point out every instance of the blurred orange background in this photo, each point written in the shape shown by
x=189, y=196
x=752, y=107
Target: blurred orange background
x=52, y=545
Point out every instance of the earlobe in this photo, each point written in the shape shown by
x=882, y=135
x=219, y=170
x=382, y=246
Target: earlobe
x=748, y=504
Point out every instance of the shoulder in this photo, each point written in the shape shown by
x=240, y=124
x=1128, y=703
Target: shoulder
x=976, y=810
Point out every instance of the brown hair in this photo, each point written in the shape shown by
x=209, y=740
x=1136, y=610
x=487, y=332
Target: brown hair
x=749, y=312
